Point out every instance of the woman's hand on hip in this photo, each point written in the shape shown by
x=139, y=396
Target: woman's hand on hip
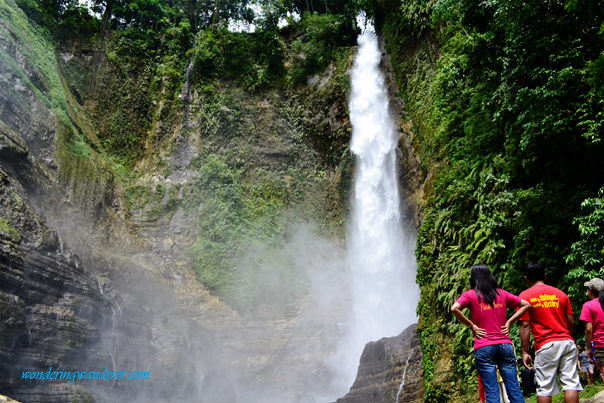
x=479, y=333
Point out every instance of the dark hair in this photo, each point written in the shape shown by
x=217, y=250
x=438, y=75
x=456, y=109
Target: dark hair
x=483, y=283
x=599, y=295
x=535, y=271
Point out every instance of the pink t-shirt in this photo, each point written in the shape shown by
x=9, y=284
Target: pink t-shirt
x=488, y=318
x=592, y=312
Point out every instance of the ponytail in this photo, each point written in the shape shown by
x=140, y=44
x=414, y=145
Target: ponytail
x=484, y=284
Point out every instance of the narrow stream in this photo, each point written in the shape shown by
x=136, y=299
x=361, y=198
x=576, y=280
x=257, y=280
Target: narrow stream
x=400, y=388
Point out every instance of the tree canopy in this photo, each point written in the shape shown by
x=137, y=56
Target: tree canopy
x=149, y=15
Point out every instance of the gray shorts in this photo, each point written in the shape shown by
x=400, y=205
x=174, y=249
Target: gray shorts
x=557, y=358
x=587, y=368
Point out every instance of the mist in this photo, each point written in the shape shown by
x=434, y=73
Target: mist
x=105, y=276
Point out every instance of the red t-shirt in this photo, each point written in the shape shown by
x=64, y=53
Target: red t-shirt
x=549, y=307
x=488, y=318
x=592, y=312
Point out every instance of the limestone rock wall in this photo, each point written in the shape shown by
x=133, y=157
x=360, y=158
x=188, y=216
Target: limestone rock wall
x=55, y=311
x=77, y=292
x=411, y=177
x=85, y=286
x=87, y=283
x=390, y=370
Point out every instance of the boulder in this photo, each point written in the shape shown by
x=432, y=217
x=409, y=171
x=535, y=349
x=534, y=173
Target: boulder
x=390, y=371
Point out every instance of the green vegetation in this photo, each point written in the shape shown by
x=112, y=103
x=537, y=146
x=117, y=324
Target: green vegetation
x=585, y=394
x=138, y=195
x=240, y=252
x=586, y=257
x=249, y=96
x=8, y=232
x=253, y=60
x=144, y=70
x=74, y=337
x=322, y=42
x=60, y=15
x=259, y=59
x=42, y=76
x=246, y=211
x=82, y=397
x=36, y=67
x=506, y=102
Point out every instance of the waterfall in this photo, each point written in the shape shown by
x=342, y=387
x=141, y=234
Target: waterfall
x=381, y=254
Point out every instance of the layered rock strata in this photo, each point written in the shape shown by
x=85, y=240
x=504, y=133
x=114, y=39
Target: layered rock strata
x=56, y=313
x=390, y=371
x=87, y=283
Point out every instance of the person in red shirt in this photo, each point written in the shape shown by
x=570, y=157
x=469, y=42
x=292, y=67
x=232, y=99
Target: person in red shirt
x=482, y=395
x=593, y=316
x=551, y=321
x=492, y=343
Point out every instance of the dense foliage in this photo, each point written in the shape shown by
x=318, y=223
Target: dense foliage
x=241, y=253
x=150, y=17
x=509, y=126
x=153, y=41
x=241, y=212
x=506, y=99
x=55, y=15
x=586, y=257
x=247, y=212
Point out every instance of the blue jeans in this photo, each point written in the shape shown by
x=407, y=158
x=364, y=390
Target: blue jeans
x=488, y=359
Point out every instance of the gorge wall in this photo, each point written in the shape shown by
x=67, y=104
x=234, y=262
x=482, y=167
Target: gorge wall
x=390, y=371
x=513, y=171
x=102, y=252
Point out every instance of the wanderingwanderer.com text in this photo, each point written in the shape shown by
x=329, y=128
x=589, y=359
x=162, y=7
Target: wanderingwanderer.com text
x=75, y=375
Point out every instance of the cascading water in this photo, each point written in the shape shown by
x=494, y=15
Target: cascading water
x=380, y=252
x=400, y=388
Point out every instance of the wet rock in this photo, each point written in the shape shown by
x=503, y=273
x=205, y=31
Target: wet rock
x=11, y=144
x=91, y=284
x=411, y=177
x=77, y=292
x=389, y=371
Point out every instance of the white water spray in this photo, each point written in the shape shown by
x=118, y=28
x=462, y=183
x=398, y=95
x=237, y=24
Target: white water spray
x=381, y=254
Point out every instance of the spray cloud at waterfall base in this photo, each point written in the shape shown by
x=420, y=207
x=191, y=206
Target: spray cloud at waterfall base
x=128, y=300
x=368, y=291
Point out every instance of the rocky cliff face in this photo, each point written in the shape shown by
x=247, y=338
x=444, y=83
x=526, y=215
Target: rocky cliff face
x=92, y=277
x=390, y=371
x=56, y=310
x=411, y=178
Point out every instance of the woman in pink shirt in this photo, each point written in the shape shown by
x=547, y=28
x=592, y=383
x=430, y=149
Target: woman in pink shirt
x=492, y=344
x=593, y=315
